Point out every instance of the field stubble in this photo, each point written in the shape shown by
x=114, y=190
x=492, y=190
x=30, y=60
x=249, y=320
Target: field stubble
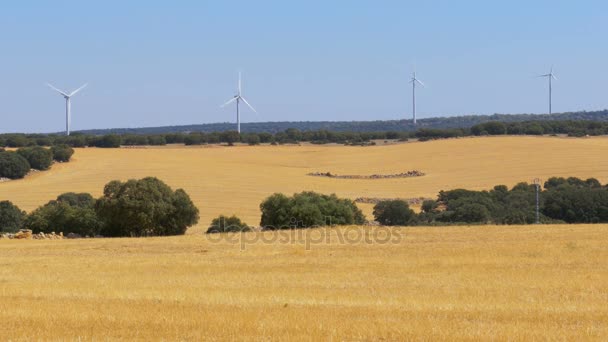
x=505, y=283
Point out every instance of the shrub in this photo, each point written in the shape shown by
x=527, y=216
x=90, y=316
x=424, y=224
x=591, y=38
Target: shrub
x=193, y=139
x=62, y=153
x=106, y=141
x=230, y=137
x=429, y=206
x=253, y=139
x=40, y=158
x=69, y=213
x=11, y=217
x=146, y=207
x=394, y=213
x=307, y=210
x=225, y=224
x=13, y=166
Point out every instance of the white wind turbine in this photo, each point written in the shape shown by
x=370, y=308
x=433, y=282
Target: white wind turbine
x=68, y=114
x=551, y=77
x=414, y=81
x=238, y=98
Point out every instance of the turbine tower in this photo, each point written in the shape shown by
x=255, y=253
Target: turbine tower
x=414, y=81
x=68, y=105
x=238, y=98
x=551, y=77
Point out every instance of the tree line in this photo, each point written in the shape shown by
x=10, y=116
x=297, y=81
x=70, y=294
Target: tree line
x=359, y=126
x=293, y=135
x=17, y=164
x=561, y=200
x=148, y=207
x=145, y=207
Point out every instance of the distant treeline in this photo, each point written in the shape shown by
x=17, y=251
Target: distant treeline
x=561, y=200
x=294, y=135
x=359, y=126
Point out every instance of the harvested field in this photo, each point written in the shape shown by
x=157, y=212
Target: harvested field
x=459, y=283
x=234, y=180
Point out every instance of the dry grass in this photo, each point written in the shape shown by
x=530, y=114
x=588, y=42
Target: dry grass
x=234, y=180
x=472, y=283
x=501, y=283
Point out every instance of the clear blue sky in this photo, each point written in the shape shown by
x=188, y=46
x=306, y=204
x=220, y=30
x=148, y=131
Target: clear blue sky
x=153, y=63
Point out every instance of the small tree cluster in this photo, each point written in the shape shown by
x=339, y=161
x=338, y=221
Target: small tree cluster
x=394, y=213
x=62, y=153
x=11, y=217
x=146, y=207
x=70, y=212
x=39, y=158
x=13, y=165
x=225, y=224
x=308, y=209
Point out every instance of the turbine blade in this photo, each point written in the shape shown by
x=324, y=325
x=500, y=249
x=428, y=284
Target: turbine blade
x=57, y=90
x=79, y=89
x=247, y=103
x=240, y=83
x=419, y=81
x=229, y=102
x=555, y=78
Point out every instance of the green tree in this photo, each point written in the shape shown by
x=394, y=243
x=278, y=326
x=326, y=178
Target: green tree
x=13, y=165
x=394, y=213
x=69, y=213
x=307, y=210
x=62, y=153
x=225, y=224
x=146, y=207
x=11, y=217
x=39, y=158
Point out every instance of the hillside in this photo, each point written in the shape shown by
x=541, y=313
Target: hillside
x=358, y=126
x=234, y=180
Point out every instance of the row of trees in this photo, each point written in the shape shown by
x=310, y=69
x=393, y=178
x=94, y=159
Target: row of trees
x=561, y=200
x=570, y=128
x=15, y=165
x=146, y=207
x=292, y=135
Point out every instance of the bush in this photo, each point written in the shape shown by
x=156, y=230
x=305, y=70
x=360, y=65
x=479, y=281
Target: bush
x=69, y=213
x=106, y=141
x=307, y=210
x=394, y=213
x=225, y=224
x=146, y=207
x=62, y=153
x=13, y=166
x=252, y=139
x=11, y=217
x=40, y=158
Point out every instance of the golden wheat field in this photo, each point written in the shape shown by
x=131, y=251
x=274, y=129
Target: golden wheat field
x=462, y=283
x=341, y=284
x=234, y=180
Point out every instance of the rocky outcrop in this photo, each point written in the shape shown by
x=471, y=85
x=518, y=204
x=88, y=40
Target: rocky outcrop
x=26, y=234
x=375, y=200
x=408, y=174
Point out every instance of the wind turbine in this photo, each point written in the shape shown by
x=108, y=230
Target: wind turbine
x=238, y=98
x=551, y=77
x=414, y=81
x=68, y=114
